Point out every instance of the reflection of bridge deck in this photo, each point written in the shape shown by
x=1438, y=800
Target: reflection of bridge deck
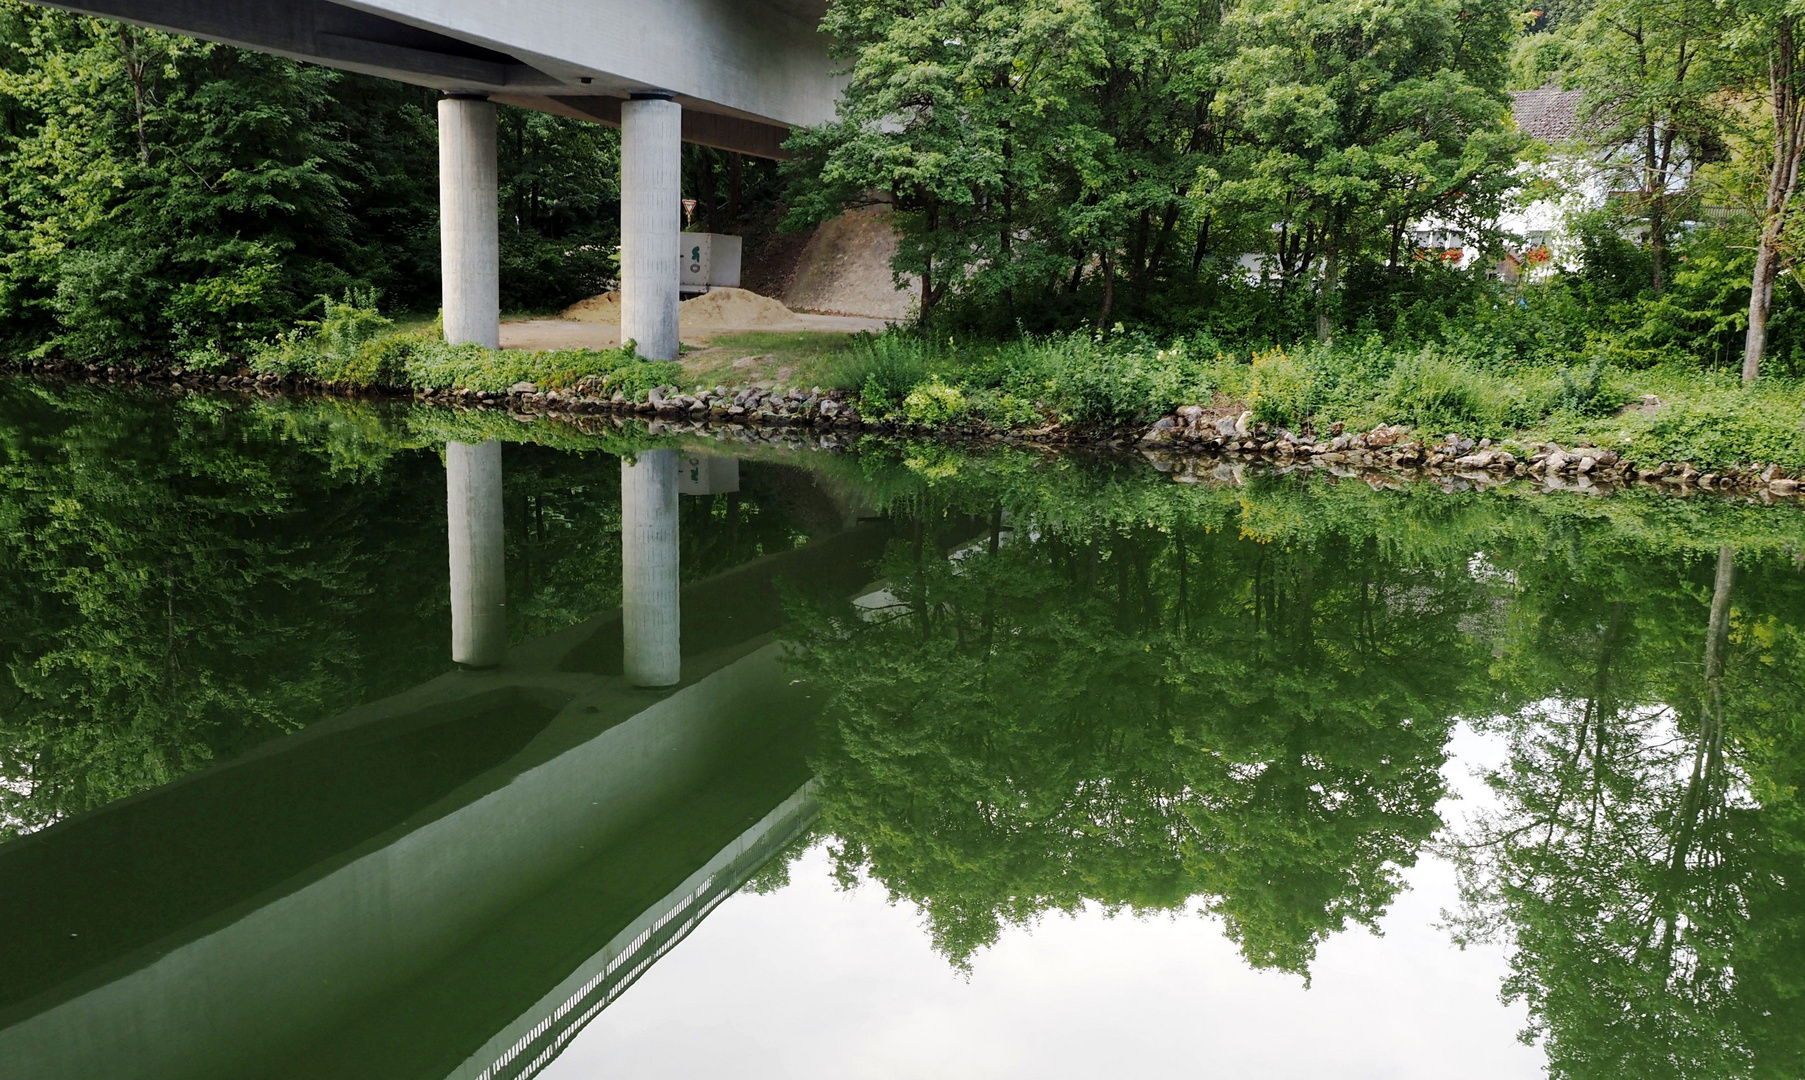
x=447, y=883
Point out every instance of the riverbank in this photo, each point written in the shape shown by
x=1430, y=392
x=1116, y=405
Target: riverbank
x=1195, y=442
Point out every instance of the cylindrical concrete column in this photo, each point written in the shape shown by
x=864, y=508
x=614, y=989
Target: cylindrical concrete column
x=469, y=244
x=479, y=584
x=651, y=619
x=651, y=216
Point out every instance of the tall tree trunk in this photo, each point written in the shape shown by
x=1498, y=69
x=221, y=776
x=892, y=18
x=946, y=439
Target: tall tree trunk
x=705, y=191
x=1136, y=275
x=1109, y=290
x=1167, y=223
x=1331, y=281
x=1707, y=757
x=1655, y=191
x=132, y=56
x=927, y=266
x=1203, y=245
x=1783, y=177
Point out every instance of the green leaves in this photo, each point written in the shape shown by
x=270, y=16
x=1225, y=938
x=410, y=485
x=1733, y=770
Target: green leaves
x=1064, y=152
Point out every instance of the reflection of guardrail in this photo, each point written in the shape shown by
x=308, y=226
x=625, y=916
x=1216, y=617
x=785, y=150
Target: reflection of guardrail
x=621, y=964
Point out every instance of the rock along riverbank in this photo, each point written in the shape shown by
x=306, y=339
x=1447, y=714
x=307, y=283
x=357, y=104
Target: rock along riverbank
x=1192, y=443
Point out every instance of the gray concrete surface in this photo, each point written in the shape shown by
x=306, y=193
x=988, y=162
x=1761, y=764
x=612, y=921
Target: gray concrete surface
x=651, y=216
x=744, y=70
x=469, y=240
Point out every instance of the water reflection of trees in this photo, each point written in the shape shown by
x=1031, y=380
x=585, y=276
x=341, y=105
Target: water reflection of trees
x=177, y=583
x=181, y=579
x=1645, y=857
x=1138, y=716
x=1142, y=717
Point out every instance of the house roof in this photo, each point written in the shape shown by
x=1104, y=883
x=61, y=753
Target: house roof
x=1547, y=114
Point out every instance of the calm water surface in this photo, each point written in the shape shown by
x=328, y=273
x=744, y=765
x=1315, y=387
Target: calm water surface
x=343, y=740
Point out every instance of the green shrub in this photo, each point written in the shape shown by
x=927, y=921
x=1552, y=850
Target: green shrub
x=935, y=404
x=883, y=368
x=1112, y=381
x=1432, y=393
x=351, y=323
x=1282, y=390
x=108, y=302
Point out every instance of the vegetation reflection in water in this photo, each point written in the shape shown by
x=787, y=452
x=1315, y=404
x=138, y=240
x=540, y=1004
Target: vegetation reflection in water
x=1137, y=694
x=1084, y=684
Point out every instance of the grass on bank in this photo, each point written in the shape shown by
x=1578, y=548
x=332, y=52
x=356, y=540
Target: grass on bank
x=1478, y=388
x=790, y=357
x=1653, y=413
x=354, y=345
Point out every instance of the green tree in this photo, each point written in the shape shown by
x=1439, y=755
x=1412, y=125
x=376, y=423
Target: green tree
x=560, y=209
x=161, y=190
x=1652, y=72
x=1357, y=120
x=1769, y=36
x=956, y=111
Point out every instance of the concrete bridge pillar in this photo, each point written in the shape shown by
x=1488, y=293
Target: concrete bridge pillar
x=651, y=215
x=469, y=243
x=651, y=619
x=479, y=584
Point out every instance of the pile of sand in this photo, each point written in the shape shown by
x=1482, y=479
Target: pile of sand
x=735, y=309
x=597, y=309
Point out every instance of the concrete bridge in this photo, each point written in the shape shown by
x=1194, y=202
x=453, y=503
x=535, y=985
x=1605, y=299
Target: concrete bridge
x=733, y=74
x=450, y=882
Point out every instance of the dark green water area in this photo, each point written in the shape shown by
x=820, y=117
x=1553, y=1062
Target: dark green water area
x=989, y=764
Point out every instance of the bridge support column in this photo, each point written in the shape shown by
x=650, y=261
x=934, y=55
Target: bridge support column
x=479, y=585
x=469, y=242
x=651, y=619
x=651, y=213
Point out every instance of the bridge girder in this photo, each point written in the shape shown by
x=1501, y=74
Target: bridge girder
x=745, y=71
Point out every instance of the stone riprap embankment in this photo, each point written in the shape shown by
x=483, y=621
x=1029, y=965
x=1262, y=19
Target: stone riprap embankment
x=1191, y=443
x=1193, y=430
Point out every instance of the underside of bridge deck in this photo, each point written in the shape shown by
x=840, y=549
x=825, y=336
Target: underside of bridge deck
x=745, y=71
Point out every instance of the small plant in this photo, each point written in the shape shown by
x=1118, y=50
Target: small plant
x=935, y=404
x=350, y=323
x=1581, y=395
x=1281, y=389
x=884, y=368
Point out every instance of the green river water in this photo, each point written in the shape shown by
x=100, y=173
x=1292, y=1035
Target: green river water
x=1004, y=764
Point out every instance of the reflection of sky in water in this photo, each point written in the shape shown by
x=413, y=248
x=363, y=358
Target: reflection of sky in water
x=813, y=982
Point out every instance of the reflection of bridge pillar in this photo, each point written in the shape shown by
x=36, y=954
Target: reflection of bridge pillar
x=650, y=616
x=479, y=587
x=469, y=244
x=651, y=207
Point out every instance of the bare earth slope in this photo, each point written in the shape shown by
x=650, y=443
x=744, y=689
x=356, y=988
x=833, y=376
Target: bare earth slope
x=845, y=269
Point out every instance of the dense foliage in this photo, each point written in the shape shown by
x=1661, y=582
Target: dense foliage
x=1262, y=169
x=1127, y=150
x=167, y=195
